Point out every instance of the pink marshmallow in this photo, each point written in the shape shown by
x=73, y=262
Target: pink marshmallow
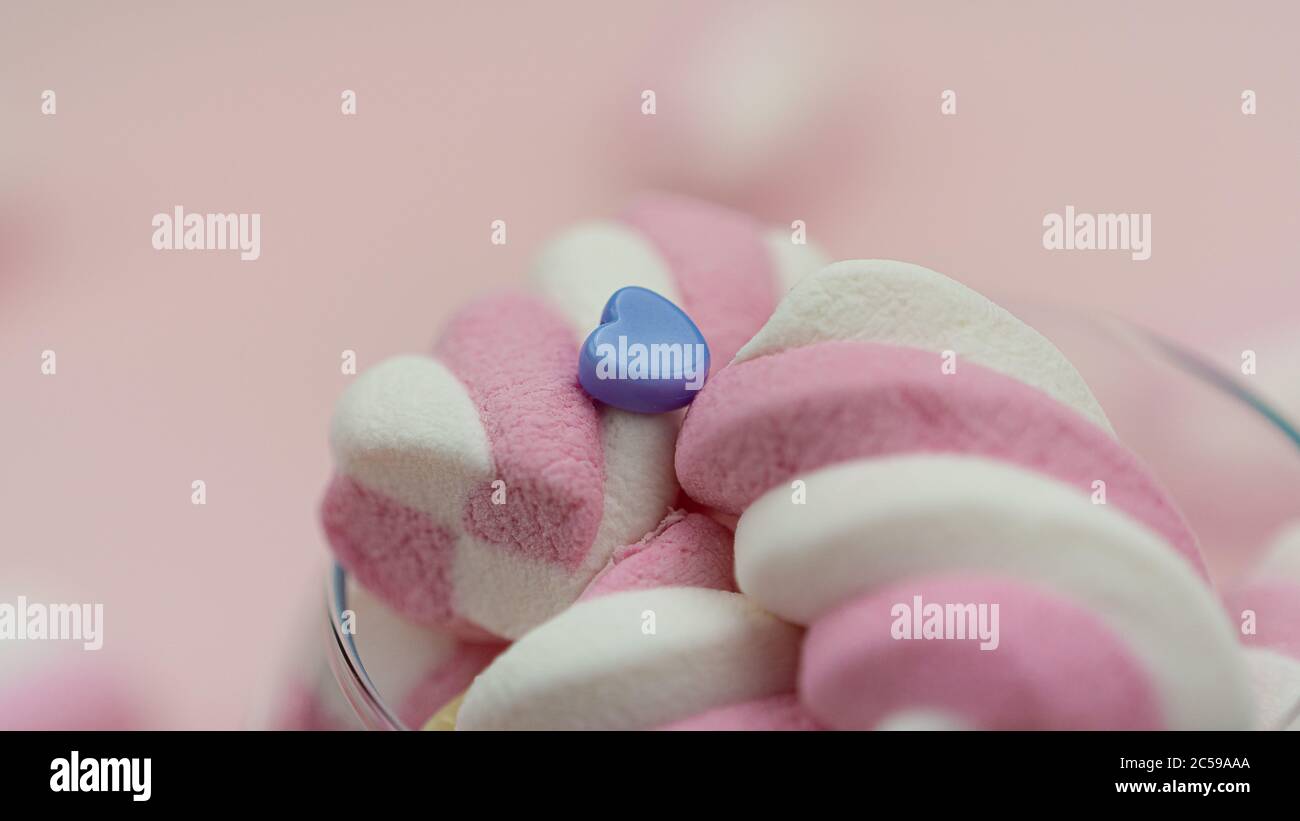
x=687, y=550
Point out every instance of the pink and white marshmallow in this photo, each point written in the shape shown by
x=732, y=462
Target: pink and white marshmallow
x=889, y=437
x=688, y=552
x=480, y=489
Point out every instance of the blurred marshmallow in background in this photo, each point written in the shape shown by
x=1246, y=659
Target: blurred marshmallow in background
x=751, y=104
x=57, y=676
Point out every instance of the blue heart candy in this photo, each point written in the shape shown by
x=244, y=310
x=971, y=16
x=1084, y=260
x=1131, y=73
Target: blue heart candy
x=646, y=356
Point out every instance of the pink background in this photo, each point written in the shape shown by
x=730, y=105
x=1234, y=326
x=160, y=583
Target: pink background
x=181, y=366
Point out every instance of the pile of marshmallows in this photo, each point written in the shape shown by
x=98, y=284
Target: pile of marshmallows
x=872, y=437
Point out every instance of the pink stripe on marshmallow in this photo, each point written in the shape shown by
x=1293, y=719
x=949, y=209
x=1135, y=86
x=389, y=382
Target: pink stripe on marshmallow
x=518, y=360
x=686, y=550
x=1055, y=666
x=763, y=422
x=400, y=554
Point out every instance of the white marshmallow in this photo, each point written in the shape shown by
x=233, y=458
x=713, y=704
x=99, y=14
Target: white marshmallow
x=596, y=666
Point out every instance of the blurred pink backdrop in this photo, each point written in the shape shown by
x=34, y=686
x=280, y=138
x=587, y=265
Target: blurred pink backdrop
x=181, y=366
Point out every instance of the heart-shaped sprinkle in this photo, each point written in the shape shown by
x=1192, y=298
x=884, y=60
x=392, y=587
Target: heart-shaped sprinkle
x=646, y=356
